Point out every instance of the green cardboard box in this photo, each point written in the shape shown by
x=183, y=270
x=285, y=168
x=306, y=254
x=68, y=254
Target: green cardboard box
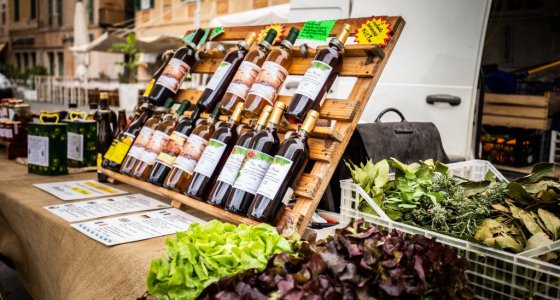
x=46, y=149
x=82, y=143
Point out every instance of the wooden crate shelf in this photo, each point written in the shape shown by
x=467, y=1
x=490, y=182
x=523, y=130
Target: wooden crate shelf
x=326, y=144
x=520, y=111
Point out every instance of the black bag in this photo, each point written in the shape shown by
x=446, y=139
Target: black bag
x=406, y=141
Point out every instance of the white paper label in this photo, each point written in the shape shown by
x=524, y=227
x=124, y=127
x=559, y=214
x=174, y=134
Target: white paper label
x=269, y=81
x=190, y=154
x=157, y=143
x=252, y=172
x=314, y=79
x=38, y=150
x=218, y=75
x=233, y=164
x=75, y=146
x=243, y=79
x=288, y=196
x=8, y=133
x=2, y=132
x=210, y=157
x=275, y=176
x=141, y=142
x=173, y=74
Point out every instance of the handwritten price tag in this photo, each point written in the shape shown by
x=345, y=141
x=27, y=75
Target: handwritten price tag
x=374, y=32
x=316, y=30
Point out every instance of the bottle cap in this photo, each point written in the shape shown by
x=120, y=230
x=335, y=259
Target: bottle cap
x=168, y=103
x=277, y=112
x=265, y=114
x=72, y=105
x=236, y=115
x=216, y=112
x=249, y=40
x=292, y=35
x=310, y=120
x=184, y=106
x=344, y=33
x=103, y=96
x=269, y=38
x=198, y=35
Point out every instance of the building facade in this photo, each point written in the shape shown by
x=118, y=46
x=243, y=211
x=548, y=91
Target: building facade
x=40, y=32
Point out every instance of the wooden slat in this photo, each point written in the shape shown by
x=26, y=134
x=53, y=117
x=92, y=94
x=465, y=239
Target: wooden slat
x=350, y=50
x=319, y=149
x=307, y=186
x=527, y=123
x=176, y=197
x=523, y=100
x=515, y=111
x=321, y=132
x=351, y=66
x=332, y=109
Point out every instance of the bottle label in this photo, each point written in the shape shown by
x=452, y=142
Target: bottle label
x=275, y=176
x=232, y=165
x=157, y=143
x=314, y=79
x=190, y=154
x=99, y=160
x=120, y=148
x=75, y=146
x=176, y=142
x=287, y=196
x=210, y=157
x=141, y=142
x=148, y=89
x=38, y=150
x=269, y=81
x=8, y=133
x=173, y=74
x=252, y=172
x=218, y=75
x=243, y=79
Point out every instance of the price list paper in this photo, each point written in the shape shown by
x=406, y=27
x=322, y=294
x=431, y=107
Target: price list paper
x=78, y=190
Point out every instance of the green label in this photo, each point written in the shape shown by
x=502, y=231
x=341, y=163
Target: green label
x=316, y=30
x=216, y=32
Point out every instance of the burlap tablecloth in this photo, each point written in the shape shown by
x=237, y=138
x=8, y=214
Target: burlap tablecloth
x=56, y=261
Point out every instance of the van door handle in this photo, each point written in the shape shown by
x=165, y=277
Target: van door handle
x=452, y=100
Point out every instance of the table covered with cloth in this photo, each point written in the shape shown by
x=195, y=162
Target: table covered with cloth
x=56, y=261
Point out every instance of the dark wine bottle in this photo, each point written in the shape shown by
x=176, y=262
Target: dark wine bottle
x=141, y=141
x=184, y=165
x=214, y=157
x=175, y=72
x=224, y=183
x=166, y=158
x=119, y=147
x=276, y=188
x=257, y=160
x=218, y=84
x=104, y=105
x=317, y=80
x=122, y=121
x=157, y=143
x=104, y=139
x=271, y=77
x=246, y=74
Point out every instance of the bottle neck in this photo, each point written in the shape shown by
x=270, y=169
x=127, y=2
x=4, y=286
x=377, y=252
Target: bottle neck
x=103, y=103
x=336, y=44
x=303, y=134
x=259, y=127
x=272, y=126
x=287, y=46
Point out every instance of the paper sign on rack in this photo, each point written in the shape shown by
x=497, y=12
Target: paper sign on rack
x=78, y=190
x=316, y=30
x=99, y=208
x=137, y=227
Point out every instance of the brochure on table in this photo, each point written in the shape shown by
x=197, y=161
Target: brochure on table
x=93, y=209
x=77, y=190
x=136, y=227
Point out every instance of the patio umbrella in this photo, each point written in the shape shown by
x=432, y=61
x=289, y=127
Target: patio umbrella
x=80, y=38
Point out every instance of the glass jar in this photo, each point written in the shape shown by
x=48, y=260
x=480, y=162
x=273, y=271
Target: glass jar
x=8, y=131
x=4, y=108
x=22, y=117
x=2, y=131
x=11, y=105
x=19, y=131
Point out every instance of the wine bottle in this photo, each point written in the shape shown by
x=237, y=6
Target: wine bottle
x=92, y=111
x=214, y=156
x=104, y=139
x=271, y=77
x=104, y=105
x=216, y=87
x=143, y=138
x=318, y=78
x=176, y=71
x=119, y=147
x=224, y=183
x=261, y=150
x=166, y=158
x=122, y=121
x=157, y=143
x=276, y=188
x=246, y=74
x=183, y=167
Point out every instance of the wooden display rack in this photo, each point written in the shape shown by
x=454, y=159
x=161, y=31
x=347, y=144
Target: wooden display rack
x=327, y=144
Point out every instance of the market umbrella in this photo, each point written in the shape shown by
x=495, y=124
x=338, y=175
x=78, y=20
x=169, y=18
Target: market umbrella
x=80, y=38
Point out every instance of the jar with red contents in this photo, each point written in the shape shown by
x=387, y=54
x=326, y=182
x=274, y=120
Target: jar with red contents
x=22, y=117
x=2, y=131
x=9, y=131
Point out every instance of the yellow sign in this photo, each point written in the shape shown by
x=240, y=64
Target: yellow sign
x=374, y=32
x=279, y=32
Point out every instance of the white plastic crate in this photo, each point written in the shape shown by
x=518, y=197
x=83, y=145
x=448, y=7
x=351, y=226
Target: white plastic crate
x=475, y=170
x=493, y=274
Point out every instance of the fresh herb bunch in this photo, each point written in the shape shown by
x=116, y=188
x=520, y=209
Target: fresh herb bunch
x=358, y=262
